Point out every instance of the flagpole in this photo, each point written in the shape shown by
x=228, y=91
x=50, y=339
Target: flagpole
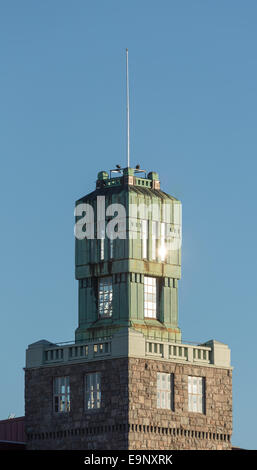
x=128, y=136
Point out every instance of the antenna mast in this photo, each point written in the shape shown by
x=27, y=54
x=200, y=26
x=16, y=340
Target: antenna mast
x=127, y=82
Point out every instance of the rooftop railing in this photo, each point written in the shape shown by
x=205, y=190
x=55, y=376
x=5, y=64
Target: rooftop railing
x=129, y=343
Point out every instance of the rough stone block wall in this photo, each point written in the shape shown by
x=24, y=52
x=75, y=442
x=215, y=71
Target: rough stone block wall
x=80, y=429
x=129, y=417
x=153, y=428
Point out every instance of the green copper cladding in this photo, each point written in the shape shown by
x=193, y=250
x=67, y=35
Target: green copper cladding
x=126, y=264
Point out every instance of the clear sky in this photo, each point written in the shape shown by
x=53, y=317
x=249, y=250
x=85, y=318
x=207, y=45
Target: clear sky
x=193, y=87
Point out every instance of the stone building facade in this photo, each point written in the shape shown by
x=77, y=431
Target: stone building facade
x=128, y=381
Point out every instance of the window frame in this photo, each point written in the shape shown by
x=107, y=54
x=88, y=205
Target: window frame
x=197, y=398
x=92, y=395
x=144, y=237
x=154, y=241
x=154, y=299
x=102, y=248
x=162, y=248
x=101, y=304
x=165, y=391
x=59, y=395
x=111, y=248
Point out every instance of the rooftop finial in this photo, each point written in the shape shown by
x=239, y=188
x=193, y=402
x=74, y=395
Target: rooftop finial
x=127, y=82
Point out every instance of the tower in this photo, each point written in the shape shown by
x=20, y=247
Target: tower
x=126, y=257
x=128, y=381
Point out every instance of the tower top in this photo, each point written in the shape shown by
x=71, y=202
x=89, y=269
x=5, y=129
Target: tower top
x=128, y=176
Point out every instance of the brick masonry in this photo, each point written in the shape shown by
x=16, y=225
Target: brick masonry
x=128, y=418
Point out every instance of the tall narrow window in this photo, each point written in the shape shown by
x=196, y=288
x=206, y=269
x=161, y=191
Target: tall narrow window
x=102, y=239
x=165, y=391
x=93, y=391
x=61, y=394
x=102, y=249
x=150, y=297
x=154, y=239
x=144, y=237
x=162, y=245
x=196, y=394
x=111, y=247
x=105, y=297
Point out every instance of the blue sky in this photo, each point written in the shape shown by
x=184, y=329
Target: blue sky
x=193, y=75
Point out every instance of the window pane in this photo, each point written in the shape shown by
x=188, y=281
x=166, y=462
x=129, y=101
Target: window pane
x=111, y=247
x=196, y=397
x=154, y=239
x=144, y=236
x=165, y=390
x=105, y=296
x=93, y=391
x=150, y=308
x=162, y=245
x=61, y=397
x=102, y=249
